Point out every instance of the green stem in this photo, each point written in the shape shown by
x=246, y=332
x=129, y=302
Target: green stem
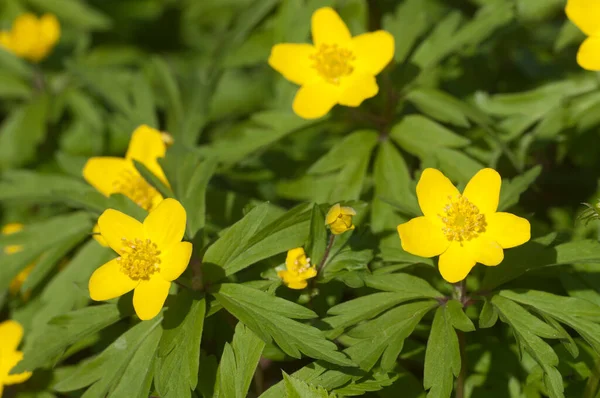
x=461, y=290
x=326, y=255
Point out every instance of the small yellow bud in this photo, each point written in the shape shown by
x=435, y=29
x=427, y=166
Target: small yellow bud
x=339, y=219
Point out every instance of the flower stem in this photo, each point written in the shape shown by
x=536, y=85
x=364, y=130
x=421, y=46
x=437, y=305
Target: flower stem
x=326, y=255
x=461, y=290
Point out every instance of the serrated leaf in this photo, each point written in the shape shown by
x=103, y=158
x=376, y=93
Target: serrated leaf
x=439, y=105
x=406, y=34
x=403, y=283
x=459, y=319
x=295, y=388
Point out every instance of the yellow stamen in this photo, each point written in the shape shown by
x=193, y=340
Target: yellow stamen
x=139, y=258
x=462, y=220
x=136, y=188
x=333, y=62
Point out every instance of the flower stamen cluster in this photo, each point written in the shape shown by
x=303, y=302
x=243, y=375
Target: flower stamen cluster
x=139, y=259
x=333, y=62
x=136, y=188
x=462, y=220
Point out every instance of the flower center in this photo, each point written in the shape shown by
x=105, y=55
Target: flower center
x=462, y=220
x=333, y=62
x=139, y=258
x=136, y=188
x=301, y=264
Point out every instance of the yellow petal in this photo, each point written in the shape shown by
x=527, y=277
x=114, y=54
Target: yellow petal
x=103, y=172
x=146, y=146
x=24, y=34
x=421, y=237
x=315, y=100
x=333, y=213
x=588, y=56
x=98, y=237
x=348, y=211
x=293, y=62
x=309, y=273
x=585, y=14
x=5, y=42
x=373, y=51
x=175, y=261
x=116, y=226
x=149, y=297
x=108, y=282
x=328, y=28
x=485, y=250
x=433, y=192
x=357, y=89
x=11, y=333
x=165, y=225
x=456, y=263
x=10, y=360
x=49, y=29
x=484, y=190
x=507, y=229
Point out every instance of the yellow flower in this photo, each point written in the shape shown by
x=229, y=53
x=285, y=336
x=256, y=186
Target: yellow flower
x=17, y=282
x=337, y=69
x=339, y=219
x=31, y=38
x=151, y=256
x=298, y=269
x=586, y=15
x=462, y=229
x=11, y=334
x=111, y=175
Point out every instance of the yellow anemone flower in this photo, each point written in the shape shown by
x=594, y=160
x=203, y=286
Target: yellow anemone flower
x=298, y=269
x=17, y=282
x=30, y=37
x=462, y=229
x=337, y=69
x=586, y=15
x=339, y=219
x=11, y=333
x=151, y=256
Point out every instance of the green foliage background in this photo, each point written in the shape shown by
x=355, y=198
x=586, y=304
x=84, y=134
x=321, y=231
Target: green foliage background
x=474, y=83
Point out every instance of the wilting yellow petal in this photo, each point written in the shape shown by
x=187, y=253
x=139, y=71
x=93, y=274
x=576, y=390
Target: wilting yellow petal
x=315, y=100
x=484, y=190
x=585, y=14
x=103, y=172
x=507, y=229
x=421, y=237
x=588, y=56
x=116, y=226
x=9, y=360
x=149, y=297
x=328, y=27
x=485, y=250
x=146, y=146
x=175, y=261
x=165, y=225
x=456, y=263
x=108, y=282
x=433, y=192
x=358, y=88
x=11, y=333
x=373, y=51
x=294, y=62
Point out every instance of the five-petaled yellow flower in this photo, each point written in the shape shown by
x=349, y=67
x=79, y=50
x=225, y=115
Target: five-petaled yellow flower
x=111, y=175
x=339, y=219
x=151, y=256
x=11, y=334
x=30, y=37
x=462, y=229
x=298, y=269
x=338, y=69
x=17, y=282
x=586, y=15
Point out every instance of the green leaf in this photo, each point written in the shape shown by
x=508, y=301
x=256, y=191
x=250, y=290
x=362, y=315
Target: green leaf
x=439, y=105
x=488, y=316
x=73, y=13
x=64, y=330
x=122, y=368
x=15, y=65
x=249, y=240
x=406, y=34
x=442, y=357
x=29, y=186
x=403, y=283
x=317, y=240
x=178, y=357
x=295, y=388
x=269, y=317
x=511, y=190
x=38, y=238
x=22, y=131
x=13, y=87
x=153, y=180
x=459, y=319
x=238, y=363
x=383, y=337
